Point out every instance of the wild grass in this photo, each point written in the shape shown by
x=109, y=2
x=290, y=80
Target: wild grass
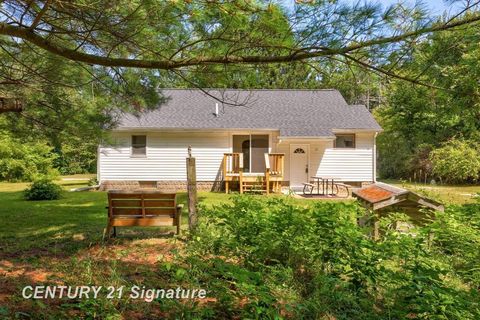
x=450, y=194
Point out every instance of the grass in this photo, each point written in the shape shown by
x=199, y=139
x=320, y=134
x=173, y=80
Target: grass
x=448, y=194
x=59, y=242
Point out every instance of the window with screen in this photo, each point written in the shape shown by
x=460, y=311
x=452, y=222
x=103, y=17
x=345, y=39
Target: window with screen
x=139, y=145
x=345, y=141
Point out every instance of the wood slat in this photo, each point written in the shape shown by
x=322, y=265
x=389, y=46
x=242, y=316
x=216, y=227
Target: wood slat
x=126, y=211
x=126, y=203
x=160, y=211
x=144, y=222
x=162, y=196
x=160, y=203
x=117, y=196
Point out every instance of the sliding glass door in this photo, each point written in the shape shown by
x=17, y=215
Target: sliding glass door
x=253, y=147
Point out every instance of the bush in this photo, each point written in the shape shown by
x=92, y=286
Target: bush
x=457, y=161
x=285, y=260
x=43, y=190
x=24, y=161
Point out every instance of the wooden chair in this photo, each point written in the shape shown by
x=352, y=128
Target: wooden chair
x=142, y=208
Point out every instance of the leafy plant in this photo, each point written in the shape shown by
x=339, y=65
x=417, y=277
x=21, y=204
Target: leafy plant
x=286, y=260
x=21, y=161
x=456, y=161
x=43, y=189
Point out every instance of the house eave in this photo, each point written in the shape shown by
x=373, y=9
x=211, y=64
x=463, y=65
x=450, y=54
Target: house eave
x=353, y=130
x=306, y=137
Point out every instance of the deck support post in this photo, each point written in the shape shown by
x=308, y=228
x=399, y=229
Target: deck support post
x=267, y=181
x=240, y=181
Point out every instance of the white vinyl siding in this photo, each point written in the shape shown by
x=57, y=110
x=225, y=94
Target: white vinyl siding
x=167, y=151
x=347, y=164
x=165, y=158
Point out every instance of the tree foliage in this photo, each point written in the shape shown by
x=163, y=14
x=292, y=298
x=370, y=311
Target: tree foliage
x=419, y=119
x=457, y=161
x=21, y=161
x=170, y=35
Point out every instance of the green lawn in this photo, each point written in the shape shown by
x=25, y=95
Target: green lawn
x=59, y=242
x=448, y=194
x=54, y=242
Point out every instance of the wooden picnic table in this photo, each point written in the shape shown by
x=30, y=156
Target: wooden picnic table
x=325, y=182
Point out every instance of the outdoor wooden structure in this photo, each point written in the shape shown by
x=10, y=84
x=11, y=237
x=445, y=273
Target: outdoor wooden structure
x=274, y=170
x=232, y=168
x=265, y=182
x=142, y=208
x=382, y=198
x=379, y=196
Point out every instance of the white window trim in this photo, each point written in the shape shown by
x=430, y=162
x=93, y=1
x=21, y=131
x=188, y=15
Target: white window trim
x=241, y=133
x=345, y=134
x=146, y=146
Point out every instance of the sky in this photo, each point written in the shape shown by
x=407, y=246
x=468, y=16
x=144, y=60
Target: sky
x=438, y=7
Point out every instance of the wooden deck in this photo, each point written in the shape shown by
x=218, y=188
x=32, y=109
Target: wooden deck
x=259, y=182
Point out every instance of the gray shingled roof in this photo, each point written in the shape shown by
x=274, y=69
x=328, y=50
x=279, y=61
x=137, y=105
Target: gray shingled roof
x=296, y=113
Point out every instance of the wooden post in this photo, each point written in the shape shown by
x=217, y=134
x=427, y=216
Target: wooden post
x=192, y=190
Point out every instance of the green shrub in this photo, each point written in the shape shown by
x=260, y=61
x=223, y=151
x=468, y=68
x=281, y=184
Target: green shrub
x=457, y=161
x=24, y=161
x=43, y=189
x=312, y=261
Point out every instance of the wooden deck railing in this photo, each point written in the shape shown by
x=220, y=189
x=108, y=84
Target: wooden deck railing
x=275, y=164
x=232, y=168
x=274, y=170
x=232, y=163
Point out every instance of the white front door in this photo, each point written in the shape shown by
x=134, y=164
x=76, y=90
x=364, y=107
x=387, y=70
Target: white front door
x=298, y=164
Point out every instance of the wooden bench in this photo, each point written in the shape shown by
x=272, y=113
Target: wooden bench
x=142, y=208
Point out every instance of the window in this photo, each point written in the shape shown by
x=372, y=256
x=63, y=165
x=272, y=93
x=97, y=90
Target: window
x=345, y=141
x=299, y=150
x=253, y=147
x=139, y=145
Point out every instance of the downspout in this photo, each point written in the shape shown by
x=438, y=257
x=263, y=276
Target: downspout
x=98, y=165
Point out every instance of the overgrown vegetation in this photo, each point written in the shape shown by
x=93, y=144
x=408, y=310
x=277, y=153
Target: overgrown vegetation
x=279, y=259
x=457, y=161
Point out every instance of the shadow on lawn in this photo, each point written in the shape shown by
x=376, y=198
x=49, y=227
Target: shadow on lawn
x=119, y=262
x=56, y=228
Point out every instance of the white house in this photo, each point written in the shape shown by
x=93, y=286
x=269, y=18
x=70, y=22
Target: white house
x=317, y=132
